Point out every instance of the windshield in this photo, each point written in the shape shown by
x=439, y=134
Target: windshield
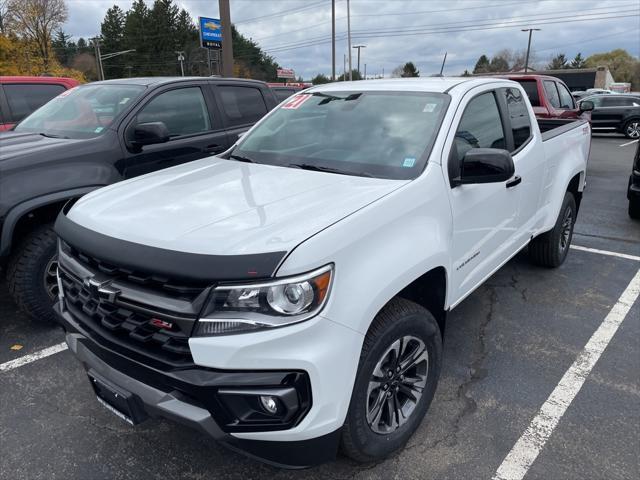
x=82, y=112
x=379, y=134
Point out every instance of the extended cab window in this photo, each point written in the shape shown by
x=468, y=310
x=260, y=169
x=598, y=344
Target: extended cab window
x=566, y=100
x=183, y=111
x=242, y=105
x=518, y=115
x=531, y=89
x=615, y=101
x=552, y=93
x=480, y=127
x=26, y=98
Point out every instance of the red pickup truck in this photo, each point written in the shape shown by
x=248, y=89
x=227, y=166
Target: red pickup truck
x=20, y=96
x=549, y=96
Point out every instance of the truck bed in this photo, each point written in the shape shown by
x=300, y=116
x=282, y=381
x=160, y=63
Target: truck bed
x=552, y=127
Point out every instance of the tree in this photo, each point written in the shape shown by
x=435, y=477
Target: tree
x=558, y=62
x=466, y=73
x=112, y=32
x=499, y=63
x=36, y=20
x=623, y=67
x=320, y=79
x=60, y=45
x=406, y=70
x=578, y=61
x=354, y=74
x=482, y=65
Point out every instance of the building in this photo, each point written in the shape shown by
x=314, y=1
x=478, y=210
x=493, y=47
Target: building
x=582, y=78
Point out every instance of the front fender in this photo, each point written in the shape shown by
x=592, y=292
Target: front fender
x=17, y=212
x=380, y=249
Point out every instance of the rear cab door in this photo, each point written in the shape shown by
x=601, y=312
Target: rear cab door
x=190, y=113
x=242, y=104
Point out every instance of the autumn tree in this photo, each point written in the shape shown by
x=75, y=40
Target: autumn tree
x=35, y=21
x=623, y=66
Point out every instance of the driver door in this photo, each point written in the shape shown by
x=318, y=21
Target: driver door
x=485, y=216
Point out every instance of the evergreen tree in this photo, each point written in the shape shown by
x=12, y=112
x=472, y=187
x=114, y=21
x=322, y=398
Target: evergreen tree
x=578, y=61
x=558, y=62
x=409, y=70
x=135, y=37
x=498, y=64
x=482, y=65
x=320, y=79
x=112, y=30
x=62, y=47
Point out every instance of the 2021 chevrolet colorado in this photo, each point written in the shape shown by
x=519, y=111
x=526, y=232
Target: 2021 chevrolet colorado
x=290, y=295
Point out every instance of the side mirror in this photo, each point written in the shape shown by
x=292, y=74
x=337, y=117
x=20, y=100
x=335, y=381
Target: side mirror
x=586, y=106
x=485, y=165
x=150, y=133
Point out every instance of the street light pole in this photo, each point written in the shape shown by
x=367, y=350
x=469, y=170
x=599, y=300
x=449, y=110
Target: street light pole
x=333, y=40
x=359, y=47
x=526, y=60
x=349, y=40
x=181, y=60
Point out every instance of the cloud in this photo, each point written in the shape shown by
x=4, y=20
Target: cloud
x=297, y=32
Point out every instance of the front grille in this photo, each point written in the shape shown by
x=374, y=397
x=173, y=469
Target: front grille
x=157, y=283
x=143, y=316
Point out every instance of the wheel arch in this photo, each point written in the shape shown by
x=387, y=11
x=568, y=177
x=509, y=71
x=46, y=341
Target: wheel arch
x=24, y=217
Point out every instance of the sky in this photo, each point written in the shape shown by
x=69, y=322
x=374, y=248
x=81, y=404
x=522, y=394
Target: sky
x=297, y=33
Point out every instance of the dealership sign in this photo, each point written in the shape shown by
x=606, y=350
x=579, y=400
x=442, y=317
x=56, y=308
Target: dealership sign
x=210, y=32
x=286, y=73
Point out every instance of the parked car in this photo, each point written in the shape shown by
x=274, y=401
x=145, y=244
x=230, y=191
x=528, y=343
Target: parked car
x=600, y=91
x=619, y=113
x=19, y=96
x=284, y=91
x=98, y=134
x=290, y=294
x=549, y=96
x=633, y=190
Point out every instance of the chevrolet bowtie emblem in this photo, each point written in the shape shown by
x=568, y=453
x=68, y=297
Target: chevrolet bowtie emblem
x=101, y=290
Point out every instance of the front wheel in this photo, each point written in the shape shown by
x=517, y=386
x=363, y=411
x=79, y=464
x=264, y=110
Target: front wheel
x=31, y=274
x=634, y=208
x=397, y=377
x=551, y=248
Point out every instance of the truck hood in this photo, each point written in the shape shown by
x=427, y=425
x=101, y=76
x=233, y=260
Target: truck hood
x=16, y=144
x=223, y=207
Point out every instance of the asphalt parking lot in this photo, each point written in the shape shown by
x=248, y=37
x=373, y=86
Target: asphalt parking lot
x=507, y=347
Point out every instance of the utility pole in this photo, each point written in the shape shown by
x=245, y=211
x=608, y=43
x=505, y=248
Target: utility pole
x=96, y=48
x=365, y=71
x=526, y=60
x=443, y=60
x=333, y=40
x=349, y=40
x=227, y=44
x=181, y=60
x=382, y=72
x=344, y=67
x=359, y=47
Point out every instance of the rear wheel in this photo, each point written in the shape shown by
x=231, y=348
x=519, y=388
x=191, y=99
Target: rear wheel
x=396, y=380
x=551, y=248
x=632, y=128
x=31, y=274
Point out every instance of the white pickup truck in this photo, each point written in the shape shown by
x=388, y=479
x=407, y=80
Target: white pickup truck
x=289, y=296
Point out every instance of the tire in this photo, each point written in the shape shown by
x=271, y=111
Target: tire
x=634, y=208
x=364, y=440
x=551, y=248
x=632, y=128
x=31, y=274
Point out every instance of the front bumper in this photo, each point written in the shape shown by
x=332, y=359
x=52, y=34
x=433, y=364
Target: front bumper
x=190, y=397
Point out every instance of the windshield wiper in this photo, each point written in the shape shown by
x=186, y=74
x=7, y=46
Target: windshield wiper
x=320, y=168
x=240, y=158
x=50, y=135
x=327, y=97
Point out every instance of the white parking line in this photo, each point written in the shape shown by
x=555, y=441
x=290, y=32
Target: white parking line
x=32, y=357
x=606, y=252
x=526, y=450
x=628, y=143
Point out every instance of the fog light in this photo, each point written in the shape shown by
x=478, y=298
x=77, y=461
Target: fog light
x=269, y=404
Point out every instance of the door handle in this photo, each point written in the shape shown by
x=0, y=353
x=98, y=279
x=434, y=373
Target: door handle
x=514, y=181
x=214, y=148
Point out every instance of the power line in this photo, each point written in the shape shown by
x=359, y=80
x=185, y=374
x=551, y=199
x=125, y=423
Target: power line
x=280, y=14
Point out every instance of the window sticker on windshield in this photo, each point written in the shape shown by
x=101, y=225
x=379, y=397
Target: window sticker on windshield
x=98, y=129
x=429, y=107
x=409, y=162
x=124, y=100
x=296, y=101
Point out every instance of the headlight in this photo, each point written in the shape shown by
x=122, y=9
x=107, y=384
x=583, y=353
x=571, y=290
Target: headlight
x=275, y=303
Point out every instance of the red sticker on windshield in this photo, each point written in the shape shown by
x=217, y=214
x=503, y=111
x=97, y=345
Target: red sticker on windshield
x=296, y=101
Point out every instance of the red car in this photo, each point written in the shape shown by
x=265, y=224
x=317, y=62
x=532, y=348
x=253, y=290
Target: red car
x=549, y=96
x=19, y=96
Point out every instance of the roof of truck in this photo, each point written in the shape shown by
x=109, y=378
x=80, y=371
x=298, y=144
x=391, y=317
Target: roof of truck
x=148, y=81
x=417, y=84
